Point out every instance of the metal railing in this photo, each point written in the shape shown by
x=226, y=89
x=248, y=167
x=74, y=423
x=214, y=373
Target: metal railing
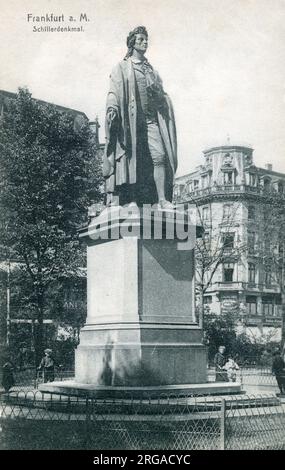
x=251, y=373
x=35, y=420
x=226, y=188
x=30, y=378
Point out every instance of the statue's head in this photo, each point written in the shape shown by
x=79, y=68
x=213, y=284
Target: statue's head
x=137, y=39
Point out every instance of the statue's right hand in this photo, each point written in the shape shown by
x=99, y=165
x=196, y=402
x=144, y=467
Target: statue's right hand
x=111, y=115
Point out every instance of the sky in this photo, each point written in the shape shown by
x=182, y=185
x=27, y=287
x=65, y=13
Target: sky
x=221, y=62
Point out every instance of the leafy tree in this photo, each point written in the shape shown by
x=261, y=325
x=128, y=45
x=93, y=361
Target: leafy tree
x=49, y=176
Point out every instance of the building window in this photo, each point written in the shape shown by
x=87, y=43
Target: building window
x=196, y=184
x=227, y=210
x=251, y=305
x=252, y=179
x=228, y=241
x=268, y=276
x=280, y=187
x=228, y=269
x=204, y=181
x=207, y=299
x=189, y=187
x=251, y=242
x=228, y=177
x=205, y=214
x=251, y=273
x=268, y=306
x=251, y=212
x=176, y=190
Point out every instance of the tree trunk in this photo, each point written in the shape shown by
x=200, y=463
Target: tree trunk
x=39, y=331
x=283, y=322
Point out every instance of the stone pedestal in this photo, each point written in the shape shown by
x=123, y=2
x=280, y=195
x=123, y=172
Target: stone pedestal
x=140, y=328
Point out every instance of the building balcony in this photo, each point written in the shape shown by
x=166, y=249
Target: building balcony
x=228, y=286
x=260, y=320
x=272, y=320
x=261, y=287
x=221, y=190
x=253, y=320
x=246, y=286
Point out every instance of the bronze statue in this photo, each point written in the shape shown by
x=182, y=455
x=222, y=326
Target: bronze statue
x=140, y=156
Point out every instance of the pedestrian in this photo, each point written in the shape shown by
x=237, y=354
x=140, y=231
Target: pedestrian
x=8, y=376
x=219, y=362
x=266, y=358
x=278, y=369
x=231, y=367
x=47, y=366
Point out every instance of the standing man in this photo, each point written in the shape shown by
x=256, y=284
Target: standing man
x=219, y=362
x=278, y=369
x=140, y=157
x=47, y=366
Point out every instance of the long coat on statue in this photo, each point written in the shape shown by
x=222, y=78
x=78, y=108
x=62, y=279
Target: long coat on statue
x=127, y=164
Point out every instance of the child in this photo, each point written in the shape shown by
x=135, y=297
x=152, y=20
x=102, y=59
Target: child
x=231, y=367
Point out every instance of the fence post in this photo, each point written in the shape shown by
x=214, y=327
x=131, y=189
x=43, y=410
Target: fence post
x=36, y=379
x=87, y=423
x=223, y=424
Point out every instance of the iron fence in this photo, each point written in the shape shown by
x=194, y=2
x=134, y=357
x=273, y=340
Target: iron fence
x=30, y=378
x=251, y=378
x=258, y=378
x=36, y=420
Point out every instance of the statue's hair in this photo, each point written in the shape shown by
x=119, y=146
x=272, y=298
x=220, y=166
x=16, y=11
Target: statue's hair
x=132, y=38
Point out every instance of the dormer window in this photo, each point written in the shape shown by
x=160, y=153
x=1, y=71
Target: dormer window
x=227, y=160
x=266, y=184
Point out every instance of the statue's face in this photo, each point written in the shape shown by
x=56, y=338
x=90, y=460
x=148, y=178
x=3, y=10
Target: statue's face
x=141, y=43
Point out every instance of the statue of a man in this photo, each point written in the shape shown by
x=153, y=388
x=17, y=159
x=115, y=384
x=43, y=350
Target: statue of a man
x=140, y=157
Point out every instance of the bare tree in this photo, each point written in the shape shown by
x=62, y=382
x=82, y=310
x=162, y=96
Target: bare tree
x=219, y=242
x=271, y=249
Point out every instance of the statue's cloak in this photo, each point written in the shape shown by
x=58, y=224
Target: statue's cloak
x=125, y=160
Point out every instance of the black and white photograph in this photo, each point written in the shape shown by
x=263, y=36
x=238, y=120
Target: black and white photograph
x=142, y=228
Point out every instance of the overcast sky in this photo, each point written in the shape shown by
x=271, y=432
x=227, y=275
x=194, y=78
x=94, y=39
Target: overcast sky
x=221, y=61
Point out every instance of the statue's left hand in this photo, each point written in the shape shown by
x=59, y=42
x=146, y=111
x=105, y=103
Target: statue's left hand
x=111, y=115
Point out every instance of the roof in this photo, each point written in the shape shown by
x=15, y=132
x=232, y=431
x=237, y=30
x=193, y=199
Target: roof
x=8, y=94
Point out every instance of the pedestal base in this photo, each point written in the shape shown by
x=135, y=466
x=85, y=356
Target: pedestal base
x=141, y=328
x=73, y=388
x=140, y=354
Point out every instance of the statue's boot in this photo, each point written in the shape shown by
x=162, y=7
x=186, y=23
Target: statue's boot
x=166, y=205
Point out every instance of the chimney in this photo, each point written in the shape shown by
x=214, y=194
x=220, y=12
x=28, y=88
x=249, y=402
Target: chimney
x=268, y=166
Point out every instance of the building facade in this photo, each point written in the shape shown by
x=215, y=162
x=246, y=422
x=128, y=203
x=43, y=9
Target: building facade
x=234, y=201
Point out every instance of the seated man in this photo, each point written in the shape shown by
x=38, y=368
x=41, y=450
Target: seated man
x=219, y=362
